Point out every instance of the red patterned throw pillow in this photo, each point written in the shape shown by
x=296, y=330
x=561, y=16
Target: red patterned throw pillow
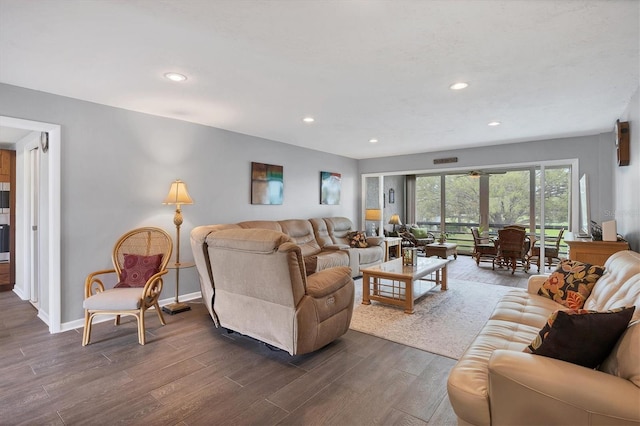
x=137, y=269
x=581, y=336
x=571, y=283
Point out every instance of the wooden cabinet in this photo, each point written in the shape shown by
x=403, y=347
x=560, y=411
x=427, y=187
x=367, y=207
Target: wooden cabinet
x=5, y=164
x=594, y=252
x=8, y=175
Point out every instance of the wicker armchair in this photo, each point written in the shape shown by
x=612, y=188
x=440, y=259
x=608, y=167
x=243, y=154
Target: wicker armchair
x=551, y=251
x=410, y=240
x=483, y=248
x=140, y=258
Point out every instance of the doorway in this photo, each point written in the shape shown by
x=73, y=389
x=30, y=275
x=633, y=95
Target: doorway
x=46, y=262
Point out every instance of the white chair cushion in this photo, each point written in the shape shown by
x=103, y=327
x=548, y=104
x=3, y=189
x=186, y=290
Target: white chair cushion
x=115, y=299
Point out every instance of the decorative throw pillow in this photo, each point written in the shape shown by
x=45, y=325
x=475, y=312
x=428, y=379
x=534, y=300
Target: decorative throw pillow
x=420, y=232
x=357, y=239
x=137, y=269
x=571, y=283
x=581, y=336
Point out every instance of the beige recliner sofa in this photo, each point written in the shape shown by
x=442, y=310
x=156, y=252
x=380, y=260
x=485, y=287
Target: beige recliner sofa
x=496, y=383
x=323, y=241
x=254, y=283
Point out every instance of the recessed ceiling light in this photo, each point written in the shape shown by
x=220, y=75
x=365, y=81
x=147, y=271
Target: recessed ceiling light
x=373, y=140
x=174, y=76
x=308, y=119
x=493, y=123
x=459, y=86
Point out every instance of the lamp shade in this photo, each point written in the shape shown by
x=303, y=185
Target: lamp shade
x=373, y=214
x=395, y=220
x=178, y=194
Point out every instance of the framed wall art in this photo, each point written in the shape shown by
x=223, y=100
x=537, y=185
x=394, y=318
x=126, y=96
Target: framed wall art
x=330, y=185
x=267, y=183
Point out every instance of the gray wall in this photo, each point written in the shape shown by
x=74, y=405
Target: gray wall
x=117, y=166
x=627, y=179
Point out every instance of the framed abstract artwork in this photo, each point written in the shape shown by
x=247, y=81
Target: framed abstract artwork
x=330, y=184
x=267, y=184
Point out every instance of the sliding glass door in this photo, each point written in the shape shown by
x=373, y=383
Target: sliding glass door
x=456, y=202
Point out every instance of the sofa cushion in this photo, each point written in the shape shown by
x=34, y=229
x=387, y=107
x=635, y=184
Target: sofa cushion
x=331, y=259
x=357, y=239
x=301, y=232
x=338, y=228
x=137, y=269
x=524, y=308
x=619, y=286
x=623, y=359
x=581, y=336
x=571, y=283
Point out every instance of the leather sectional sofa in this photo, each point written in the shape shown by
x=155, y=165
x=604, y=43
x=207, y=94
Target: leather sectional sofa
x=496, y=382
x=324, y=242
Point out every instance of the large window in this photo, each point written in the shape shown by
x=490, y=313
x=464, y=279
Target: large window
x=509, y=198
x=491, y=200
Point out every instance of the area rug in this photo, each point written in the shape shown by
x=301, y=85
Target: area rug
x=444, y=322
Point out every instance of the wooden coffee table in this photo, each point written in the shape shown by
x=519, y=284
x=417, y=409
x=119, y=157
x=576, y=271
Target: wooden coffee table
x=397, y=284
x=442, y=250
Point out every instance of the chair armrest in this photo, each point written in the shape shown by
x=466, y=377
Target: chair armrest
x=327, y=281
x=153, y=287
x=551, y=391
x=535, y=282
x=93, y=283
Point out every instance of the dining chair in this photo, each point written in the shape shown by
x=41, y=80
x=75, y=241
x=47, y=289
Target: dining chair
x=512, y=251
x=551, y=251
x=484, y=248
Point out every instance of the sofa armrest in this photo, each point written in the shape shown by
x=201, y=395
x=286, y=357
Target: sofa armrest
x=328, y=281
x=375, y=241
x=533, y=389
x=535, y=282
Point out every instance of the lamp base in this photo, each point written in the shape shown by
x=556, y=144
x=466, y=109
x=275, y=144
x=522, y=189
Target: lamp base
x=175, y=308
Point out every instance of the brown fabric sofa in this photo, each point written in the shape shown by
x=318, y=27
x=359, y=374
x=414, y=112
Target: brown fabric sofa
x=496, y=383
x=262, y=290
x=323, y=241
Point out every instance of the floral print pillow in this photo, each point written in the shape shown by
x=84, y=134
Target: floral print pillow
x=357, y=239
x=570, y=285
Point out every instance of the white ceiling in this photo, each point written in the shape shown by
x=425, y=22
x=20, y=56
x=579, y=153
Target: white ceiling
x=364, y=69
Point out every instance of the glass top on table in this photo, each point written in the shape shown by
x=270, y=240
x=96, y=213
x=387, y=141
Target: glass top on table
x=425, y=265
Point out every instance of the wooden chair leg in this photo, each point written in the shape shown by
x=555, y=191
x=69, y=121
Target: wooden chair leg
x=86, y=334
x=117, y=320
x=159, y=311
x=141, y=336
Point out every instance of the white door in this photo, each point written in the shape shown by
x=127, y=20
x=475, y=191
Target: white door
x=34, y=241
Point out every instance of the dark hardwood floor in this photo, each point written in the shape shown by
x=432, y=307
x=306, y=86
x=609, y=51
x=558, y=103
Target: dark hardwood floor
x=191, y=373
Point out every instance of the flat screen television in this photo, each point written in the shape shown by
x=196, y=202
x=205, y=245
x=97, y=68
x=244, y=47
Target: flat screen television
x=585, y=217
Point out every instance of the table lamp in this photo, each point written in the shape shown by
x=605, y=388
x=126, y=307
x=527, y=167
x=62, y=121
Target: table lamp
x=395, y=220
x=373, y=215
x=178, y=195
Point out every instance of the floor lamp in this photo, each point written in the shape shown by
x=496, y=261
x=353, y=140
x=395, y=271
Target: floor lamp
x=178, y=195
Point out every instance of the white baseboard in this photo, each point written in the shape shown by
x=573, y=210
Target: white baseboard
x=79, y=323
